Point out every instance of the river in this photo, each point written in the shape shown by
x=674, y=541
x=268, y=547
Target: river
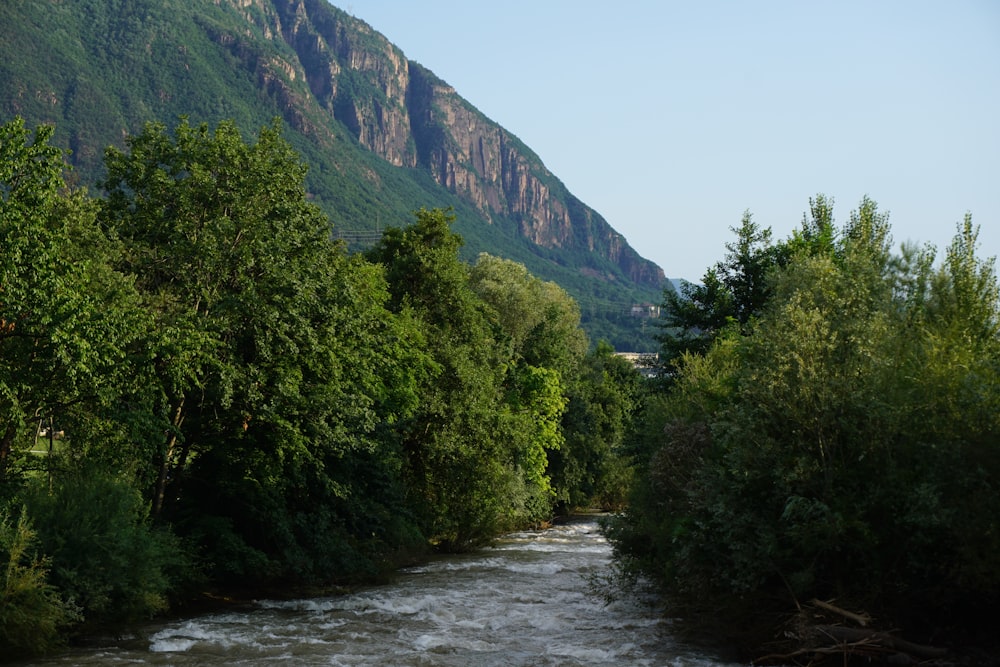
x=528, y=600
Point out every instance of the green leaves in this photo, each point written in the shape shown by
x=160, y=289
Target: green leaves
x=732, y=293
x=275, y=363
x=32, y=611
x=65, y=316
x=965, y=293
x=842, y=442
x=30, y=168
x=105, y=555
x=224, y=369
x=507, y=349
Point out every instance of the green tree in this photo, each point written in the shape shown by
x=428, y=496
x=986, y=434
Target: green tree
x=817, y=234
x=209, y=224
x=732, y=293
x=842, y=446
x=965, y=294
x=193, y=211
x=272, y=363
x=746, y=266
x=592, y=468
x=65, y=318
x=541, y=324
x=105, y=556
x=476, y=447
x=540, y=320
x=694, y=317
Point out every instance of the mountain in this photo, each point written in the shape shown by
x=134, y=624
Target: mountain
x=383, y=135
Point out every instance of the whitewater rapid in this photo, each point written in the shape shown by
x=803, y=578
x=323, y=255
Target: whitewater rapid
x=532, y=599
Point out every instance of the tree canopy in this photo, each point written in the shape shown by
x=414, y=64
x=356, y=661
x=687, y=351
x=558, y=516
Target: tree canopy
x=232, y=400
x=838, y=442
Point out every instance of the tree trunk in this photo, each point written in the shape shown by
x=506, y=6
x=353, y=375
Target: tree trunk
x=6, y=445
x=163, y=477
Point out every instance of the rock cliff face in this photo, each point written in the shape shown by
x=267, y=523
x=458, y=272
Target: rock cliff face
x=409, y=117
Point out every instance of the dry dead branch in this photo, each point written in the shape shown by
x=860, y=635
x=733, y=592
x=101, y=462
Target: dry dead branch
x=816, y=632
x=861, y=619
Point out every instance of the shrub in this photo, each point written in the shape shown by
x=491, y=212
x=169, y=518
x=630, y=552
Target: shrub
x=32, y=612
x=105, y=555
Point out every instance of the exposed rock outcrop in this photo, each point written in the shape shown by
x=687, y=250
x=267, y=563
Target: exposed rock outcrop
x=409, y=117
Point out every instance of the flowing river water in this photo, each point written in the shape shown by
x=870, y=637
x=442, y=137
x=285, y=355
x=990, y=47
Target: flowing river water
x=529, y=600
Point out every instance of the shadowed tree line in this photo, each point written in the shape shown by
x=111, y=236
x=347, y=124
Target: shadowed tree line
x=243, y=404
x=825, y=430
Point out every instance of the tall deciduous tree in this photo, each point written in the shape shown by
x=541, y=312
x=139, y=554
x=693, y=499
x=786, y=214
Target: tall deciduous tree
x=541, y=324
x=65, y=317
x=541, y=321
x=476, y=449
x=592, y=468
x=273, y=360
x=207, y=222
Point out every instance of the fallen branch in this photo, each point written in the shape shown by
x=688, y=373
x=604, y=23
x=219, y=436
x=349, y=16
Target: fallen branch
x=881, y=639
x=861, y=619
x=809, y=638
x=857, y=648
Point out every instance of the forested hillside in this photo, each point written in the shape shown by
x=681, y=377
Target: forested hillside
x=201, y=392
x=383, y=136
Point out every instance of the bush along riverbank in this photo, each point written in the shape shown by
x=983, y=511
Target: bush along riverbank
x=823, y=446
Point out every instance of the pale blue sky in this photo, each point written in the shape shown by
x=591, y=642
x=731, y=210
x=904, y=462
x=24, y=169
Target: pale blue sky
x=673, y=118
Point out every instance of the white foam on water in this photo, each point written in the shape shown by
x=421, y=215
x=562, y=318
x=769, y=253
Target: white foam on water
x=458, y=566
x=536, y=568
x=449, y=643
x=315, y=605
x=589, y=655
x=526, y=602
x=172, y=645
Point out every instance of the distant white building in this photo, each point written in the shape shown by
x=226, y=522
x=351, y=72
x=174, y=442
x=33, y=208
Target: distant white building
x=645, y=310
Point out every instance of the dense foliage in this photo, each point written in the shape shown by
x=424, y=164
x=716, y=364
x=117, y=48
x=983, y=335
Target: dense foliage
x=201, y=390
x=829, y=431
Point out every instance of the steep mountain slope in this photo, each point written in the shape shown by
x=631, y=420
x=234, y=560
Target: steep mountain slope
x=383, y=135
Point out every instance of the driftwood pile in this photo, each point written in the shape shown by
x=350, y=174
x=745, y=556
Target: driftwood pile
x=821, y=632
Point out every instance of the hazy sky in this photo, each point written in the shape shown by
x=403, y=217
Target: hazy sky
x=673, y=118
